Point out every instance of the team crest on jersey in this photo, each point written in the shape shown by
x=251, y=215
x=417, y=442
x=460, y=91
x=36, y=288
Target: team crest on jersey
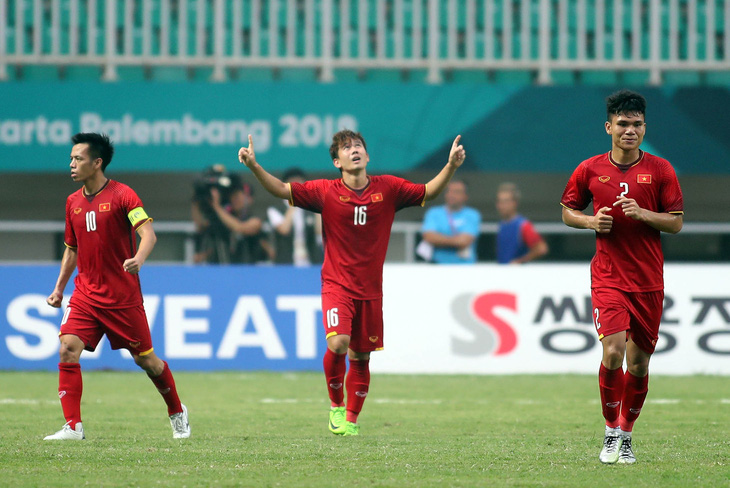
x=604, y=179
x=646, y=179
x=77, y=210
x=105, y=207
x=344, y=198
x=376, y=197
x=373, y=338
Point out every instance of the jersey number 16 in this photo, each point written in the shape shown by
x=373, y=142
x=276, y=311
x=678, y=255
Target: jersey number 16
x=361, y=215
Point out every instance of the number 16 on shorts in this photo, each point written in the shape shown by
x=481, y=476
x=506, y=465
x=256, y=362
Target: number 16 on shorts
x=332, y=319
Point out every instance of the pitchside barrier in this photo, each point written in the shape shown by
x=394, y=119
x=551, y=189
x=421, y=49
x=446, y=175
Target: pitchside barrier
x=482, y=319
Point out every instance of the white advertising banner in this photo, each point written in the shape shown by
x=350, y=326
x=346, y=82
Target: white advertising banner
x=538, y=319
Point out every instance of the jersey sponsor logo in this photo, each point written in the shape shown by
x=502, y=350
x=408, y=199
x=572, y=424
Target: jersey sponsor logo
x=344, y=198
x=373, y=339
x=645, y=179
x=77, y=210
x=376, y=197
x=105, y=207
x=604, y=179
x=134, y=345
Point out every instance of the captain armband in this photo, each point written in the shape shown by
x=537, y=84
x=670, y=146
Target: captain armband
x=137, y=216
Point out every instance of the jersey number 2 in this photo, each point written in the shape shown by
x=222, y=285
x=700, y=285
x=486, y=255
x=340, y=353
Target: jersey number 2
x=90, y=221
x=625, y=187
x=361, y=215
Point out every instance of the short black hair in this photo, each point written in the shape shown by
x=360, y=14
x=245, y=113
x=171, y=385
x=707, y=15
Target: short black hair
x=100, y=146
x=625, y=102
x=341, y=138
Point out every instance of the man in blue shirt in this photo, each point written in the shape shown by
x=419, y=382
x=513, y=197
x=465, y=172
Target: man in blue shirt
x=451, y=230
x=517, y=240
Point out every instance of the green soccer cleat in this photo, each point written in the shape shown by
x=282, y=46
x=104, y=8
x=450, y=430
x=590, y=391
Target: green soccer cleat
x=337, y=420
x=352, y=428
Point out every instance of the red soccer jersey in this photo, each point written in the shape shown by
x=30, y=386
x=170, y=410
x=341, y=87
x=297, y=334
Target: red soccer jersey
x=356, y=228
x=629, y=257
x=100, y=229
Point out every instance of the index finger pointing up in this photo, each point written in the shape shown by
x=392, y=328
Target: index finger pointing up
x=456, y=141
x=250, y=142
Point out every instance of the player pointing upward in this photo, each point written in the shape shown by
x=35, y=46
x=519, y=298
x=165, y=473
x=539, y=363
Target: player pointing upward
x=636, y=196
x=101, y=219
x=357, y=214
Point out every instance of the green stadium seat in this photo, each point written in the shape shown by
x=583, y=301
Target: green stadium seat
x=347, y=75
x=598, y=77
x=168, y=73
x=634, y=77
x=513, y=77
x=253, y=74
x=298, y=74
x=32, y=72
x=684, y=78
x=81, y=73
x=718, y=78
x=132, y=73
x=384, y=75
x=467, y=76
x=562, y=77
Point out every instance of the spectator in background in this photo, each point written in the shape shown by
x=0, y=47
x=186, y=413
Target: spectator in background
x=517, y=240
x=248, y=243
x=297, y=233
x=212, y=238
x=450, y=231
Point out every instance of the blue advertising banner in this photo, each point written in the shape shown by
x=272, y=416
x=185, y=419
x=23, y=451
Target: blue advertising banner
x=201, y=318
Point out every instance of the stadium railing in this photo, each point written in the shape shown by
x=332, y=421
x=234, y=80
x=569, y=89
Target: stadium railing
x=544, y=38
x=403, y=242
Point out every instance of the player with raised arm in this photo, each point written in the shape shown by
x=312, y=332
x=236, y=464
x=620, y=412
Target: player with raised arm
x=101, y=219
x=636, y=196
x=357, y=213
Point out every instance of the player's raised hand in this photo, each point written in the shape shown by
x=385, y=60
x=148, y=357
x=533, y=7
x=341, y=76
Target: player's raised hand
x=55, y=299
x=602, y=221
x=246, y=155
x=457, y=153
x=630, y=207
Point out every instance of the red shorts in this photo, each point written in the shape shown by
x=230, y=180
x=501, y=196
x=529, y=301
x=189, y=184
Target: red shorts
x=362, y=320
x=639, y=314
x=126, y=328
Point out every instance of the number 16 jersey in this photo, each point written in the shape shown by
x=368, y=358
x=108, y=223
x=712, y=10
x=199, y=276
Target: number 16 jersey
x=356, y=228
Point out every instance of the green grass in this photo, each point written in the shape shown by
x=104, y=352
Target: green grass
x=269, y=429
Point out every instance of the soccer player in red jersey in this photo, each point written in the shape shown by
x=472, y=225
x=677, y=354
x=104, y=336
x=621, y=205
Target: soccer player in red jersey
x=357, y=213
x=636, y=196
x=101, y=219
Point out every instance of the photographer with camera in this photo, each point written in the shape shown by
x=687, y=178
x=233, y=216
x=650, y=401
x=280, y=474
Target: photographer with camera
x=229, y=230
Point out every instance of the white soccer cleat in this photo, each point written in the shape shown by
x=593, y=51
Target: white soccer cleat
x=67, y=433
x=625, y=453
x=611, y=446
x=180, y=424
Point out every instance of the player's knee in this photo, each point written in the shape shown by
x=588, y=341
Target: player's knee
x=338, y=344
x=70, y=351
x=151, y=364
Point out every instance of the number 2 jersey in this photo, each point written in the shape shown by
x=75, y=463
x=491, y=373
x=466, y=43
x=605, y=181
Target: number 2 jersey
x=629, y=257
x=356, y=228
x=101, y=228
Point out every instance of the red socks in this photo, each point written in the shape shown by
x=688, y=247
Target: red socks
x=165, y=384
x=70, y=387
x=357, y=383
x=635, y=391
x=334, y=373
x=611, y=385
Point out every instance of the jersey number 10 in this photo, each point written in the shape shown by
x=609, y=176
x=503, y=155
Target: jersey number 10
x=90, y=221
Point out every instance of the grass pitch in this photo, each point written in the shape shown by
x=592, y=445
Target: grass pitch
x=270, y=429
